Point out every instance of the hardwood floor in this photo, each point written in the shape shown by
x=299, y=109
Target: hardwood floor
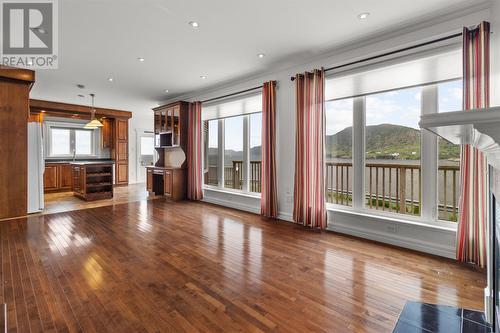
x=159, y=266
x=66, y=201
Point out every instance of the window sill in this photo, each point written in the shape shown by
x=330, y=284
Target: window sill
x=232, y=192
x=441, y=225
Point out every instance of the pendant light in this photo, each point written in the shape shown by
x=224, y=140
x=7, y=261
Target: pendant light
x=94, y=122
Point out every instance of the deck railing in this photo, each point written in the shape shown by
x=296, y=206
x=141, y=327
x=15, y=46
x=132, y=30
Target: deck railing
x=233, y=176
x=390, y=187
x=393, y=187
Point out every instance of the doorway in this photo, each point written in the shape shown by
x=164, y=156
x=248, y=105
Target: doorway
x=146, y=153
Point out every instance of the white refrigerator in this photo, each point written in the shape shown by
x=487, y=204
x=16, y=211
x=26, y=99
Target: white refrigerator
x=36, y=167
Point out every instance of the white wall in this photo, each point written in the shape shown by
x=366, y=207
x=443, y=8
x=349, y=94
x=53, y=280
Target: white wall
x=438, y=241
x=142, y=120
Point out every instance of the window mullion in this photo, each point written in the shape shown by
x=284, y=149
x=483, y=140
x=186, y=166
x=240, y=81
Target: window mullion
x=246, y=153
x=358, y=152
x=221, y=147
x=429, y=154
x=72, y=145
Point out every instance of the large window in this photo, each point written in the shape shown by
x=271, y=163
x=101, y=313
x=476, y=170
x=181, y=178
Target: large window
x=232, y=144
x=233, y=152
x=338, y=147
x=68, y=140
x=393, y=151
x=450, y=99
x=377, y=158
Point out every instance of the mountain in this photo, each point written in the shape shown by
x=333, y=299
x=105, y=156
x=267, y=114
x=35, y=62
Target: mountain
x=232, y=155
x=386, y=141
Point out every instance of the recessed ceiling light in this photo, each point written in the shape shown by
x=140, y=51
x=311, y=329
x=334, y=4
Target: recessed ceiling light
x=141, y=59
x=203, y=77
x=110, y=79
x=194, y=24
x=363, y=16
x=166, y=91
x=261, y=55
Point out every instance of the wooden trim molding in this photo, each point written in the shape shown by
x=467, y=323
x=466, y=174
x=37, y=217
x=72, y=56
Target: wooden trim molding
x=18, y=74
x=37, y=106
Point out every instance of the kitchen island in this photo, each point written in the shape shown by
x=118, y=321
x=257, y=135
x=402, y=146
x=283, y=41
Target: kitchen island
x=92, y=180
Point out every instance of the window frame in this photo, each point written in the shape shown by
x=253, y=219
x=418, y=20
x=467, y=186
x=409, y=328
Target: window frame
x=221, y=153
x=429, y=164
x=72, y=127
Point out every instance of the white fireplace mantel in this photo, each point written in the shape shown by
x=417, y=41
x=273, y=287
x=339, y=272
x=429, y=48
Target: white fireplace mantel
x=479, y=127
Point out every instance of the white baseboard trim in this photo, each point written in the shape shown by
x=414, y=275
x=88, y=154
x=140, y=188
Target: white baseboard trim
x=397, y=240
x=412, y=237
x=232, y=204
x=285, y=216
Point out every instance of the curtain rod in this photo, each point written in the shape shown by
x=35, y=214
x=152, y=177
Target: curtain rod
x=232, y=94
x=391, y=52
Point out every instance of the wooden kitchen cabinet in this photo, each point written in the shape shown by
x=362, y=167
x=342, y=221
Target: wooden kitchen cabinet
x=58, y=177
x=170, y=182
x=107, y=133
x=121, y=151
x=92, y=180
x=51, y=178
x=65, y=177
x=149, y=180
x=167, y=180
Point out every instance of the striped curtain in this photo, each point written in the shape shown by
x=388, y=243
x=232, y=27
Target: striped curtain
x=473, y=205
x=194, y=190
x=309, y=190
x=269, y=194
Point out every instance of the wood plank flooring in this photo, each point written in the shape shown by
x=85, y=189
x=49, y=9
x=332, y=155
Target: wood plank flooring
x=65, y=201
x=159, y=266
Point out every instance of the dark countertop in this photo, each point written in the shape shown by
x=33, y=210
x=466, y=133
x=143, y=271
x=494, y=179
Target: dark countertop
x=87, y=161
x=163, y=168
x=92, y=162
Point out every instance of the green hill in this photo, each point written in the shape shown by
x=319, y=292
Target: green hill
x=386, y=141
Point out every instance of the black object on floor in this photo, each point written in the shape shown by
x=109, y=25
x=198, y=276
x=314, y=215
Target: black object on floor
x=418, y=317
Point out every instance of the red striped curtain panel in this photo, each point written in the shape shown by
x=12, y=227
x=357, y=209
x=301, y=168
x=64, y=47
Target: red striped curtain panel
x=195, y=183
x=473, y=205
x=269, y=193
x=309, y=191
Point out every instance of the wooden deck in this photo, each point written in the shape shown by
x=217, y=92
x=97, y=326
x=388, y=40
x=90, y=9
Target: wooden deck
x=159, y=266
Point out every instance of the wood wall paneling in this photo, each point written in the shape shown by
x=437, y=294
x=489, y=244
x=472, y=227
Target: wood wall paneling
x=68, y=110
x=14, y=112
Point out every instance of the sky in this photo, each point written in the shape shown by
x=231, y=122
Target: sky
x=233, y=128
x=400, y=107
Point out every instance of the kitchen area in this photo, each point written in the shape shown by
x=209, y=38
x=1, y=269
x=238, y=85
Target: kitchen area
x=77, y=155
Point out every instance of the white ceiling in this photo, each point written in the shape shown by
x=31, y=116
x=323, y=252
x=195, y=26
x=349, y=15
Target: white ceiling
x=103, y=38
